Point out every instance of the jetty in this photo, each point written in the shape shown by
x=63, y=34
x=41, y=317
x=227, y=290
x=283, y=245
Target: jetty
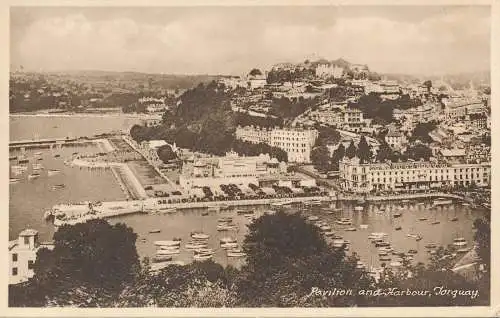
x=102, y=143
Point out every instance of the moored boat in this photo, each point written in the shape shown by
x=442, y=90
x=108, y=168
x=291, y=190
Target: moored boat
x=13, y=180
x=168, y=243
x=442, y=202
x=163, y=252
x=33, y=176
x=52, y=172
x=460, y=241
x=358, y=208
x=200, y=236
x=154, y=231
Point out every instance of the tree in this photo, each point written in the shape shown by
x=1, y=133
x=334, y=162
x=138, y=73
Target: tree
x=320, y=158
x=89, y=266
x=337, y=155
x=351, y=150
x=364, y=152
x=166, y=154
x=482, y=236
x=428, y=84
x=255, y=72
x=418, y=152
x=422, y=130
x=286, y=258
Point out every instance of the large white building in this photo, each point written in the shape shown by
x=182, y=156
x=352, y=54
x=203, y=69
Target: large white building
x=229, y=169
x=329, y=70
x=22, y=256
x=297, y=143
x=364, y=178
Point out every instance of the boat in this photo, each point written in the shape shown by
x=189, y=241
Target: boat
x=225, y=219
x=397, y=228
x=229, y=245
x=163, y=252
x=12, y=158
x=405, y=201
x=213, y=209
x=344, y=221
x=418, y=238
x=423, y=218
x=382, y=244
x=13, y=180
x=435, y=222
x=202, y=257
x=195, y=245
x=363, y=226
x=377, y=234
x=360, y=201
x=460, y=241
x=167, y=210
x=412, y=251
x=154, y=231
x=168, y=243
x=200, y=236
x=338, y=243
x=162, y=258
x=52, y=172
x=225, y=227
x=313, y=218
x=37, y=166
x=465, y=204
x=57, y=155
x=329, y=233
x=454, y=219
x=430, y=245
x=58, y=186
x=204, y=213
x=358, y=208
x=463, y=250
x=395, y=264
x=325, y=228
x=168, y=247
x=74, y=153
x=236, y=253
x=351, y=229
x=420, y=203
x=227, y=239
x=412, y=235
x=38, y=153
x=204, y=250
x=23, y=160
x=244, y=212
x=442, y=202
x=383, y=253
x=397, y=215
x=33, y=176
x=385, y=258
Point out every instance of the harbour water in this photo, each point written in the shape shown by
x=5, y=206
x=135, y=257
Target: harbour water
x=29, y=198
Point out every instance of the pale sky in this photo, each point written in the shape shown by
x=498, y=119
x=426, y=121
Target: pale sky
x=231, y=40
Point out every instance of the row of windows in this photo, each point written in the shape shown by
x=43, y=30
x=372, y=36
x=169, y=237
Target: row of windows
x=442, y=171
x=30, y=266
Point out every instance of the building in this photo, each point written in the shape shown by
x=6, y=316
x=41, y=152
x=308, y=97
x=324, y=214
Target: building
x=231, y=169
x=297, y=143
x=455, y=154
x=459, y=107
x=325, y=70
x=22, y=256
x=396, y=140
x=477, y=121
x=365, y=178
x=153, y=104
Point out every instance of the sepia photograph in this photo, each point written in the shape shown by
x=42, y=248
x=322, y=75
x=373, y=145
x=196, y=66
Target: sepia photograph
x=306, y=156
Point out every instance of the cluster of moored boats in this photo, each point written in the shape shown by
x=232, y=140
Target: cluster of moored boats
x=198, y=244
x=23, y=164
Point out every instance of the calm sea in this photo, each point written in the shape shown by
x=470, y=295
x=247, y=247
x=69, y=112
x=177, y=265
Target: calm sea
x=29, y=198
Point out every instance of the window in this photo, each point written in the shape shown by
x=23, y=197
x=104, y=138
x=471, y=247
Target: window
x=26, y=240
x=31, y=264
x=14, y=257
x=14, y=271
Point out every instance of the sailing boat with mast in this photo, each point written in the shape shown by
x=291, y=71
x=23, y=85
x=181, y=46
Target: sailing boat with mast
x=435, y=219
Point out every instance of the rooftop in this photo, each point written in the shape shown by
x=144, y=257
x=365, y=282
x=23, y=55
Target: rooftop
x=28, y=232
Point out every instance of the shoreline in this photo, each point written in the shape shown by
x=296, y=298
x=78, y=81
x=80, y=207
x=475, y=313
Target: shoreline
x=151, y=204
x=86, y=115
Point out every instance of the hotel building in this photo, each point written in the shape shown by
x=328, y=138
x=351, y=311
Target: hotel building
x=364, y=178
x=297, y=143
